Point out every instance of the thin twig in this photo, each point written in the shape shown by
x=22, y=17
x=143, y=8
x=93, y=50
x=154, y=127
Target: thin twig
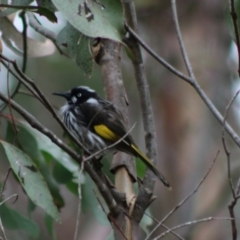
x=24, y=65
x=235, y=26
x=22, y=15
x=111, y=220
x=5, y=200
x=164, y=226
x=184, y=200
x=40, y=29
x=44, y=31
x=193, y=83
x=228, y=154
x=191, y=223
x=9, y=106
x=79, y=201
x=224, y=142
x=180, y=40
x=26, y=93
x=3, y=231
x=144, y=94
x=4, y=182
x=157, y=57
x=20, y=81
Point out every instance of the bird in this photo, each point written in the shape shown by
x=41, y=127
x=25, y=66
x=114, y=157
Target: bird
x=98, y=124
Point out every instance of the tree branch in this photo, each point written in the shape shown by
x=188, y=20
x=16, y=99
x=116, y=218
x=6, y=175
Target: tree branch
x=122, y=164
x=195, y=84
x=228, y=154
x=191, y=223
x=192, y=81
x=144, y=94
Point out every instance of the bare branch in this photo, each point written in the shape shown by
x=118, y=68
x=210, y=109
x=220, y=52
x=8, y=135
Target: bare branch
x=22, y=15
x=228, y=154
x=40, y=29
x=191, y=223
x=224, y=142
x=4, y=182
x=195, y=84
x=9, y=106
x=157, y=57
x=165, y=227
x=184, y=200
x=144, y=94
x=3, y=231
x=111, y=220
x=79, y=201
x=12, y=196
x=180, y=40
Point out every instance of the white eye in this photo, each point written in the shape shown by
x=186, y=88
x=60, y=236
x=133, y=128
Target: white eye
x=79, y=94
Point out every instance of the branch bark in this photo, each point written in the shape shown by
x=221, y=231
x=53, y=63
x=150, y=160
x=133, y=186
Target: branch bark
x=122, y=165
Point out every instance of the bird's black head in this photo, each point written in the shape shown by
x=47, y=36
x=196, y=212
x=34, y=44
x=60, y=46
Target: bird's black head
x=78, y=95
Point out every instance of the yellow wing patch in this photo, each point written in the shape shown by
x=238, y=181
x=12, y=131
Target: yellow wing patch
x=104, y=132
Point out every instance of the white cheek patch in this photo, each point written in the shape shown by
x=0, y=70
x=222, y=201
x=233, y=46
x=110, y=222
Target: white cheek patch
x=74, y=99
x=92, y=101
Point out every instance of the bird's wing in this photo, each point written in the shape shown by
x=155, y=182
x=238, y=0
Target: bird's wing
x=106, y=120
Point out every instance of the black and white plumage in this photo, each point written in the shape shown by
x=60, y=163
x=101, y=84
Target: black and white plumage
x=83, y=110
x=97, y=123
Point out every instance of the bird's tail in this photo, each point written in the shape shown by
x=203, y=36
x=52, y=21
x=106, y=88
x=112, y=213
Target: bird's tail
x=150, y=165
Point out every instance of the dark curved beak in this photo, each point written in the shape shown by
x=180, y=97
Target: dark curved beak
x=62, y=94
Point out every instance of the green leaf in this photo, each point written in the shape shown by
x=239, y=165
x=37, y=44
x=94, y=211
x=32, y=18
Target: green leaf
x=16, y=221
x=47, y=4
x=46, y=145
x=46, y=171
x=84, y=57
x=31, y=206
x=107, y=22
x=27, y=142
x=78, y=46
x=90, y=203
x=31, y=179
x=50, y=226
x=61, y=174
x=73, y=187
x=29, y=145
x=141, y=168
